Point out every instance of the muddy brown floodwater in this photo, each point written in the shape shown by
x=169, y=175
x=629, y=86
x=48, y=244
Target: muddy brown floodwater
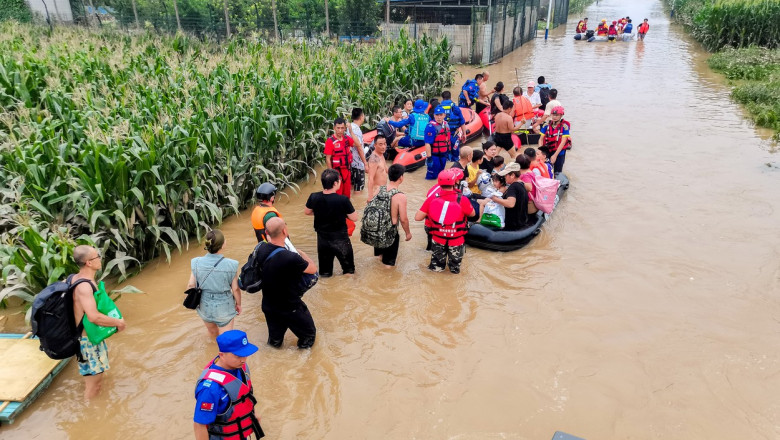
x=647, y=308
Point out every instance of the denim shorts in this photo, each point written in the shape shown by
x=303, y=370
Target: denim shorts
x=217, y=308
x=95, y=357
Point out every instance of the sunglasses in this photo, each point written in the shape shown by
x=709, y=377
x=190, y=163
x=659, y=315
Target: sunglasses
x=95, y=258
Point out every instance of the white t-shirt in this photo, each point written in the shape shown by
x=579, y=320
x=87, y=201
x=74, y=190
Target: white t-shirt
x=551, y=105
x=356, y=162
x=534, y=98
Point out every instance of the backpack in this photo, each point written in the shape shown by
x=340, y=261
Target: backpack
x=53, y=321
x=546, y=192
x=421, y=121
x=378, y=229
x=544, y=95
x=251, y=277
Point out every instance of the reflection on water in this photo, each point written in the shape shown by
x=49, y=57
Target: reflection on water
x=646, y=308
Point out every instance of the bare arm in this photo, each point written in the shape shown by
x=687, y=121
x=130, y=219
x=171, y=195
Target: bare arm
x=308, y=211
x=419, y=216
x=86, y=299
x=192, y=282
x=372, y=167
x=236, y=294
x=311, y=268
x=506, y=203
x=327, y=161
x=398, y=211
x=353, y=216
x=201, y=431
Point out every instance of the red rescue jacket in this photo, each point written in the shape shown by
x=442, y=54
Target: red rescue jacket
x=239, y=421
x=441, y=143
x=447, y=219
x=342, y=153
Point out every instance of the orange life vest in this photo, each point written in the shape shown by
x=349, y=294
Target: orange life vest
x=542, y=169
x=258, y=214
x=523, y=108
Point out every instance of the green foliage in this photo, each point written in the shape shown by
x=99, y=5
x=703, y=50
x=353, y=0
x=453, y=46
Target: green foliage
x=578, y=6
x=756, y=75
x=138, y=144
x=736, y=23
x=15, y=10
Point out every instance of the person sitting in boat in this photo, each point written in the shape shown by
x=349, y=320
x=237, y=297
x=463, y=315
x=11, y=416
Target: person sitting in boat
x=612, y=31
x=491, y=150
x=408, y=107
x=543, y=155
x=524, y=110
x=417, y=121
x=556, y=138
x=498, y=163
x=538, y=168
x=473, y=171
x=602, y=29
x=432, y=104
x=528, y=179
x=490, y=212
x=455, y=119
x=392, y=134
x=495, y=100
x=582, y=26
x=514, y=199
x=438, y=142
x=470, y=91
x=619, y=25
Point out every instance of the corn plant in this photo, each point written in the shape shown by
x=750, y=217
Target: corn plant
x=143, y=143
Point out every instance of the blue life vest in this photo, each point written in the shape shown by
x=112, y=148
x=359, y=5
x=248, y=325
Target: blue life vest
x=417, y=131
x=629, y=27
x=472, y=88
x=452, y=119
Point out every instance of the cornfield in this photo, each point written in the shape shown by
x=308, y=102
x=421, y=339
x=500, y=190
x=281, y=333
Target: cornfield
x=735, y=23
x=139, y=144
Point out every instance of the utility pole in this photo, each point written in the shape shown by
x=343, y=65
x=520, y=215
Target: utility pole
x=387, y=18
x=135, y=13
x=176, y=11
x=549, y=13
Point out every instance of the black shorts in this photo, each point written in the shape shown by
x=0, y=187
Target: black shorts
x=389, y=254
x=358, y=179
x=504, y=140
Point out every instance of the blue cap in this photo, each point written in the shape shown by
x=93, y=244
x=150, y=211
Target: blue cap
x=235, y=342
x=420, y=106
x=438, y=110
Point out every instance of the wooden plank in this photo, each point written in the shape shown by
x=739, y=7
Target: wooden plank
x=22, y=367
x=14, y=409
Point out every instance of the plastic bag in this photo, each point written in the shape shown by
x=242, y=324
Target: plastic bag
x=105, y=305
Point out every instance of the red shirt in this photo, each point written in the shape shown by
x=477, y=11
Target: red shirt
x=465, y=206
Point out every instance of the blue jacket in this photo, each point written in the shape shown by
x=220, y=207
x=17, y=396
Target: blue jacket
x=454, y=116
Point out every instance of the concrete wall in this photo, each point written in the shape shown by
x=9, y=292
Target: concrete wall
x=59, y=10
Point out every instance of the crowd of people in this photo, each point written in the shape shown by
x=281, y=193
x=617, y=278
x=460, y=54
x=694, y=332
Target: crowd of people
x=621, y=28
x=480, y=186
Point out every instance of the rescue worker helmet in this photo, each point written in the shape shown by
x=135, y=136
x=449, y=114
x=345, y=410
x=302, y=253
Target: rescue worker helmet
x=265, y=191
x=558, y=110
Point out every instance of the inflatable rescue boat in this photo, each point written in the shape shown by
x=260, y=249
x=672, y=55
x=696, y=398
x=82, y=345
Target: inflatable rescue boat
x=484, y=237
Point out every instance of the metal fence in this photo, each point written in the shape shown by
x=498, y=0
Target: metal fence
x=479, y=33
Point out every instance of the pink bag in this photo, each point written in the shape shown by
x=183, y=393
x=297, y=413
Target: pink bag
x=546, y=190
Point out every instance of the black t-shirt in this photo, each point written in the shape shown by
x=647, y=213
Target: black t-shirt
x=516, y=217
x=460, y=167
x=281, y=278
x=487, y=165
x=330, y=212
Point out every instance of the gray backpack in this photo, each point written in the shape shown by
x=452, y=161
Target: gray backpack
x=377, y=229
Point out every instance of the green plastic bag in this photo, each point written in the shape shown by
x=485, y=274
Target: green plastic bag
x=105, y=305
x=491, y=220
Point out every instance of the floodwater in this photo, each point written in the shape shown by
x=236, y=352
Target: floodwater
x=647, y=308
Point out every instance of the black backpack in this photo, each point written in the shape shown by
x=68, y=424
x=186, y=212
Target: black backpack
x=544, y=95
x=251, y=277
x=53, y=321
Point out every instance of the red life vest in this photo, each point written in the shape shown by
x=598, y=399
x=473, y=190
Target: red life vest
x=342, y=153
x=239, y=421
x=441, y=143
x=552, y=136
x=643, y=28
x=447, y=219
x=581, y=27
x=601, y=29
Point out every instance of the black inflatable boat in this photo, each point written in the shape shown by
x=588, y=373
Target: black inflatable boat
x=484, y=237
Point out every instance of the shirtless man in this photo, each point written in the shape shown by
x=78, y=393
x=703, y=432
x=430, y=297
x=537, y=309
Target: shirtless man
x=95, y=356
x=483, y=100
x=377, y=167
x=505, y=126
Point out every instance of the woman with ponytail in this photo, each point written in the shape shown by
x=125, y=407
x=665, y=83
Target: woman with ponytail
x=217, y=276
